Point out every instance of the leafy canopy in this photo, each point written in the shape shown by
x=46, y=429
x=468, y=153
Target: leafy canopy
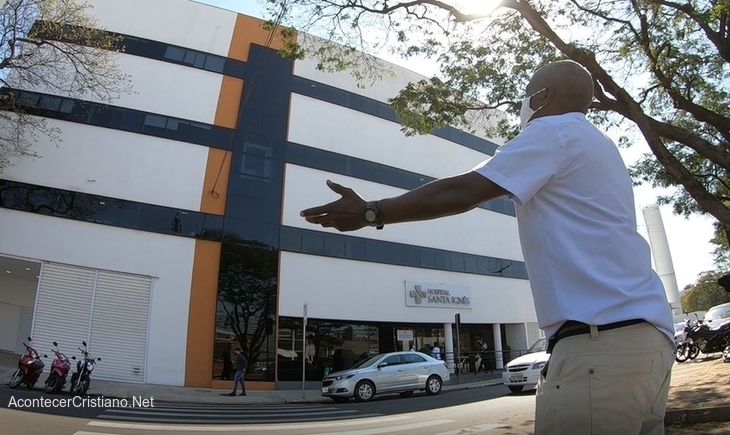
x=661, y=71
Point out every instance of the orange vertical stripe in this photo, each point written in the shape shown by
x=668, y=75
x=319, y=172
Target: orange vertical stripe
x=248, y=31
x=201, y=316
x=229, y=101
x=215, y=186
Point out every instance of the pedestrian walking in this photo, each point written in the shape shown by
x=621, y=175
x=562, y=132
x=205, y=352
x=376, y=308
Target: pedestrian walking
x=241, y=366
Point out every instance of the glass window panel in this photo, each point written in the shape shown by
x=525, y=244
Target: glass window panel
x=214, y=63
x=172, y=124
x=28, y=99
x=413, y=358
x=428, y=257
x=175, y=53
x=392, y=360
x=442, y=260
x=484, y=266
x=313, y=242
x=200, y=60
x=334, y=245
x=189, y=57
x=66, y=106
x=456, y=260
x=355, y=248
x=50, y=103
x=471, y=264
x=410, y=255
x=155, y=121
x=290, y=239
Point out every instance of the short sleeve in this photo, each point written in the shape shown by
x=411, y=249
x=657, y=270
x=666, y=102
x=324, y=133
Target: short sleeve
x=525, y=164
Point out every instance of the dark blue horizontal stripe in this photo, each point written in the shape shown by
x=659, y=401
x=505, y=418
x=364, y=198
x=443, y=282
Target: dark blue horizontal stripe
x=382, y=110
x=119, y=118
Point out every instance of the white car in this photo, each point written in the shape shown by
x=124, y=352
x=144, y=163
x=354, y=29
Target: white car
x=394, y=372
x=525, y=370
x=717, y=316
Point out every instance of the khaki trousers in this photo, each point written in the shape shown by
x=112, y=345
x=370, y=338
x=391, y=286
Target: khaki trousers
x=611, y=382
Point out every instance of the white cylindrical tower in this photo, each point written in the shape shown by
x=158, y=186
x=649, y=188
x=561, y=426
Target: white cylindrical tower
x=662, y=256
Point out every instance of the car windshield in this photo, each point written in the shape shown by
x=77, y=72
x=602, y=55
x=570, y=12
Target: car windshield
x=539, y=346
x=366, y=362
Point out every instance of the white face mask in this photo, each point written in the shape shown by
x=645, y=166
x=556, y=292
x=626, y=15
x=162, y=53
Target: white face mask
x=526, y=111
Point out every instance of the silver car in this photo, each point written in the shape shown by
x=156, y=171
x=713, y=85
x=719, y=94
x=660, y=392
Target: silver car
x=394, y=372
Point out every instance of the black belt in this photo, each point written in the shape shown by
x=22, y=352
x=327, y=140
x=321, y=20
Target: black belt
x=572, y=327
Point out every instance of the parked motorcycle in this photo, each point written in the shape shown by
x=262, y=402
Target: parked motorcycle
x=701, y=338
x=59, y=370
x=686, y=349
x=30, y=367
x=81, y=379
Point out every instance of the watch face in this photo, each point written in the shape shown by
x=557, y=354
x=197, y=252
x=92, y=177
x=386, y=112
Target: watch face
x=370, y=216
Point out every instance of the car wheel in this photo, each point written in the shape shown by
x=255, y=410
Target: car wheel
x=433, y=385
x=364, y=391
x=340, y=399
x=515, y=388
x=406, y=393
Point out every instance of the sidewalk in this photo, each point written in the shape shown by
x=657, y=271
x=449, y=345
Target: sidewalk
x=698, y=393
x=202, y=396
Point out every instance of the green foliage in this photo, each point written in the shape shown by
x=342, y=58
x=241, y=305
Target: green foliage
x=52, y=46
x=705, y=293
x=660, y=69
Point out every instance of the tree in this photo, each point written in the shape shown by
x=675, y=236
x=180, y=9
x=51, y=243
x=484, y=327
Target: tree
x=660, y=67
x=247, y=293
x=705, y=293
x=51, y=46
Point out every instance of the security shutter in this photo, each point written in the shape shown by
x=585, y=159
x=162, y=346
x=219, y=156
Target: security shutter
x=119, y=326
x=108, y=310
x=62, y=310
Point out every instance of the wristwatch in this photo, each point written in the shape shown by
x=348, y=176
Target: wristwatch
x=372, y=215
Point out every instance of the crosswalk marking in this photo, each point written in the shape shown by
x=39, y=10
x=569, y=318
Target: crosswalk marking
x=249, y=428
x=472, y=429
x=402, y=427
x=240, y=413
x=370, y=431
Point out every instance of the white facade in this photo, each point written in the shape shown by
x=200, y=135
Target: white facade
x=156, y=172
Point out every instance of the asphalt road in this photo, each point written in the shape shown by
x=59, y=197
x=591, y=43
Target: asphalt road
x=94, y=407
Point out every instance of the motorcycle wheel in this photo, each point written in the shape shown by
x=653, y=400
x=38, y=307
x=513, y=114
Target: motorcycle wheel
x=683, y=352
x=72, y=385
x=694, y=351
x=15, y=380
x=85, y=386
x=52, y=383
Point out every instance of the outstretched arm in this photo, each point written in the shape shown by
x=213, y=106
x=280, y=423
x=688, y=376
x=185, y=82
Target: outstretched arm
x=439, y=198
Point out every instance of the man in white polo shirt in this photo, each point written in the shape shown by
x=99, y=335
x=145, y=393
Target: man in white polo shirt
x=596, y=296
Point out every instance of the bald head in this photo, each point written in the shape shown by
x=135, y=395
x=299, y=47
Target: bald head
x=569, y=88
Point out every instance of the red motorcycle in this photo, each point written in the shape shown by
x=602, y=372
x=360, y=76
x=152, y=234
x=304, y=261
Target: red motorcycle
x=30, y=368
x=59, y=369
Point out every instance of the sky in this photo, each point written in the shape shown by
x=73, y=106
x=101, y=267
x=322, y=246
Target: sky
x=689, y=239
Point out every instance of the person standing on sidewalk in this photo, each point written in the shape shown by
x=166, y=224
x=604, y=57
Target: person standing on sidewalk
x=241, y=366
x=595, y=293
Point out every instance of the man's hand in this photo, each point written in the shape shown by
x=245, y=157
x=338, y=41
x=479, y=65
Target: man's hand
x=345, y=214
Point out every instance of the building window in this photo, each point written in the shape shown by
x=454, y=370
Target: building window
x=256, y=161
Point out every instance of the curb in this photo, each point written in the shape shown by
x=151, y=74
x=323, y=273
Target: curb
x=682, y=417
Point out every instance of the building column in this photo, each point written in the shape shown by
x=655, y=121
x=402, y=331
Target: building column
x=497, y=332
x=448, y=347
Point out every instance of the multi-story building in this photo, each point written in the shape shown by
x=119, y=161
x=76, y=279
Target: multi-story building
x=164, y=229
